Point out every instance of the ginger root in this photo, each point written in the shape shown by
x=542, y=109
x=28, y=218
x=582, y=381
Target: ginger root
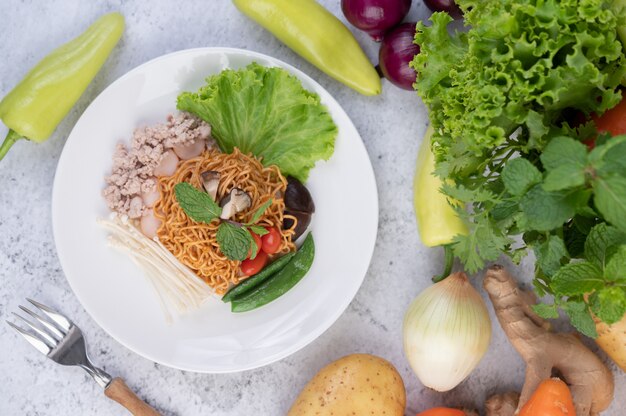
x=590, y=381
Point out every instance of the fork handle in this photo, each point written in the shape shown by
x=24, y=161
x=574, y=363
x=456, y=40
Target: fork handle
x=118, y=390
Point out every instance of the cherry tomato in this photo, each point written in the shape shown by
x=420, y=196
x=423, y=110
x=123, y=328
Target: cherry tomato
x=613, y=121
x=257, y=241
x=271, y=240
x=250, y=267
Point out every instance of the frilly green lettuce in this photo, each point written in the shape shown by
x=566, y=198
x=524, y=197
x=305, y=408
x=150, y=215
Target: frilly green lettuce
x=520, y=64
x=266, y=112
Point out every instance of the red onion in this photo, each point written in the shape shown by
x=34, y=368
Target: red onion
x=396, y=52
x=375, y=16
x=448, y=6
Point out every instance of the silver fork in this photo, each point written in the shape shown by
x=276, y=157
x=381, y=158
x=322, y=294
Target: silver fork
x=58, y=338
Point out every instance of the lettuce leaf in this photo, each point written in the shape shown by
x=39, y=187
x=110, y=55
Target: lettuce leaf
x=519, y=65
x=266, y=112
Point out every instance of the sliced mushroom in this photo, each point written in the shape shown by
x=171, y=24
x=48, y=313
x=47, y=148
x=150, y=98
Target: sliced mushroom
x=304, y=219
x=236, y=201
x=210, y=182
x=297, y=197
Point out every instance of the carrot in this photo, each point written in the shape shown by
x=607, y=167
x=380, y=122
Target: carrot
x=442, y=411
x=552, y=397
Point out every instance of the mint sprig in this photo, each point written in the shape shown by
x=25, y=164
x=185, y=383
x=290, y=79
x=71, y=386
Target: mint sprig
x=234, y=239
x=198, y=205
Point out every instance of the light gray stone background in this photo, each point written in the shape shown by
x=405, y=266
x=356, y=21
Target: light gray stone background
x=391, y=126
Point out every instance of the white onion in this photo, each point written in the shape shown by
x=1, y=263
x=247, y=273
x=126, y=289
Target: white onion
x=447, y=331
x=167, y=165
x=190, y=151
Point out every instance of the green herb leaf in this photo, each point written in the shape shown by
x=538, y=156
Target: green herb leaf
x=602, y=241
x=616, y=267
x=198, y=205
x=550, y=254
x=254, y=249
x=259, y=212
x=545, y=210
x=608, y=304
x=608, y=158
x=546, y=311
x=484, y=242
x=614, y=159
x=610, y=199
x=519, y=175
x=564, y=151
x=580, y=317
x=577, y=279
x=234, y=241
x=564, y=177
x=258, y=230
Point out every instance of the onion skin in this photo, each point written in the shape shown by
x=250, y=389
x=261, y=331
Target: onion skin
x=375, y=17
x=396, y=53
x=447, y=331
x=448, y=6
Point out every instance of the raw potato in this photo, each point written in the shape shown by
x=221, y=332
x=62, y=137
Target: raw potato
x=358, y=384
x=612, y=339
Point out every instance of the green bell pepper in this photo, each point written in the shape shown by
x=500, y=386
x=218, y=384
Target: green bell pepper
x=34, y=108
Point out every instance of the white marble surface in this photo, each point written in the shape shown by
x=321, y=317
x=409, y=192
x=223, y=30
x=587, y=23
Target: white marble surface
x=390, y=125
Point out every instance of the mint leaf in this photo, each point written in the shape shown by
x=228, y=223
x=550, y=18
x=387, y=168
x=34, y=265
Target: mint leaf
x=197, y=204
x=564, y=177
x=608, y=304
x=601, y=242
x=610, y=199
x=614, y=160
x=546, y=311
x=580, y=318
x=577, y=279
x=519, y=175
x=234, y=241
x=608, y=158
x=544, y=211
x=254, y=249
x=258, y=230
x=616, y=267
x=564, y=151
x=260, y=210
x=550, y=253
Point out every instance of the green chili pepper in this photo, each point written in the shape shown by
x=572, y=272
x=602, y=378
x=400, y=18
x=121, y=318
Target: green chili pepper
x=319, y=37
x=34, y=108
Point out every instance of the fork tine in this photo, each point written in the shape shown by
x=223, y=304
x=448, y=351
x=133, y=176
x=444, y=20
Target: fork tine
x=57, y=317
x=54, y=329
x=45, y=336
x=41, y=346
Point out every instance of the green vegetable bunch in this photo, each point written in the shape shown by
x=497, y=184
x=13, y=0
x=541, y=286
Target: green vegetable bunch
x=499, y=97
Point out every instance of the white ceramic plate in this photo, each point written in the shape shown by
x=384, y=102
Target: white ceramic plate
x=212, y=339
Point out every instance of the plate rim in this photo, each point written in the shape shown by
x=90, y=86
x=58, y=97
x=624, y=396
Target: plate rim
x=303, y=341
